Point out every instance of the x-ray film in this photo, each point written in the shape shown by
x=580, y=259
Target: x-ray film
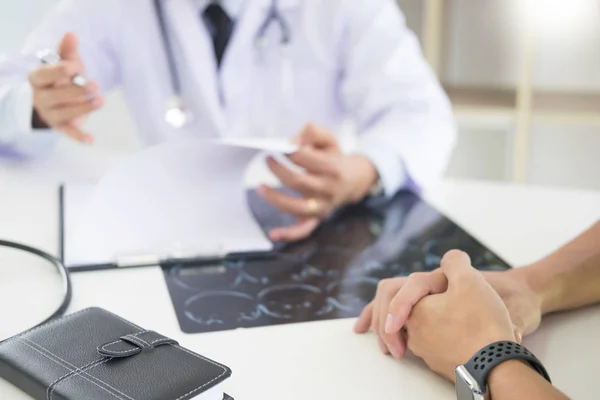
x=334, y=274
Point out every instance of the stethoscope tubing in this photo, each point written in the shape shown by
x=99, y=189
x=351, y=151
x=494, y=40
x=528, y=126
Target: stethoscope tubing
x=168, y=47
x=62, y=270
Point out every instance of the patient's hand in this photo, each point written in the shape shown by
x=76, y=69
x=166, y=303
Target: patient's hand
x=329, y=179
x=446, y=329
x=387, y=314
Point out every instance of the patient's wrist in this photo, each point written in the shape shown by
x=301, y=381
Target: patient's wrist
x=505, y=375
x=545, y=283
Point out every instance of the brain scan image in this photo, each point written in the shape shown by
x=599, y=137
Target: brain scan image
x=287, y=301
x=352, y=294
x=272, y=271
x=234, y=309
x=332, y=274
x=199, y=279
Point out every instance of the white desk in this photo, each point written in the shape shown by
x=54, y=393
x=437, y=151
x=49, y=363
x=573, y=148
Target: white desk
x=319, y=360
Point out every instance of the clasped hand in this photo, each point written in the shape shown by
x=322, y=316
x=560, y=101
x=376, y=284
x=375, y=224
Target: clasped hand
x=445, y=316
x=329, y=179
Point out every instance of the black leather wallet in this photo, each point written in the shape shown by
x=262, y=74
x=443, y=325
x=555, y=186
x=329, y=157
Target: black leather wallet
x=96, y=355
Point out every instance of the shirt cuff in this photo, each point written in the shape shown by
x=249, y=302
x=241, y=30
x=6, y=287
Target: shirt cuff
x=390, y=168
x=18, y=139
x=23, y=108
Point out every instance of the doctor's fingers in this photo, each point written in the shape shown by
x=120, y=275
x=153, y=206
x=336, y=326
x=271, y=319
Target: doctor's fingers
x=307, y=184
x=300, y=230
x=64, y=95
x=317, y=162
x=66, y=115
x=297, y=206
x=75, y=133
x=316, y=136
x=55, y=75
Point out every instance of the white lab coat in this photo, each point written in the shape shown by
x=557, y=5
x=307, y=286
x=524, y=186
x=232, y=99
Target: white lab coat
x=350, y=58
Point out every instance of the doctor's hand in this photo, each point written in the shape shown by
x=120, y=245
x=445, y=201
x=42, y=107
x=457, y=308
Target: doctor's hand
x=396, y=298
x=329, y=179
x=59, y=103
x=446, y=329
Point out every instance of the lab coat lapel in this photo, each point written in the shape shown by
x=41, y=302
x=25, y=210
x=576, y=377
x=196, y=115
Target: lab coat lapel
x=240, y=52
x=236, y=68
x=193, y=38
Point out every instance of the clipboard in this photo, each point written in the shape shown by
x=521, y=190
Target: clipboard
x=145, y=260
x=180, y=202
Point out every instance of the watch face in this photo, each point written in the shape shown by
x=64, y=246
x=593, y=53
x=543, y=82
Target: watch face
x=466, y=387
x=463, y=391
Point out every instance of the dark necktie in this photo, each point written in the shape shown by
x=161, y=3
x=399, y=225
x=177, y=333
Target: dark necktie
x=220, y=26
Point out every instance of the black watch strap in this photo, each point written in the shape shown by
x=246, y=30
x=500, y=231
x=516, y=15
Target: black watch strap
x=486, y=359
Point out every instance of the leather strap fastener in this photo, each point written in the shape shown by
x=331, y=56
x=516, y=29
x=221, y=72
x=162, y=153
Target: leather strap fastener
x=134, y=343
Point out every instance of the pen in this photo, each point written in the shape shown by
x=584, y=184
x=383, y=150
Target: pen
x=50, y=57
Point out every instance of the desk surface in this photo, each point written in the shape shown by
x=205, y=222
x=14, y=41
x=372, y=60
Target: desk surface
x=321, y=359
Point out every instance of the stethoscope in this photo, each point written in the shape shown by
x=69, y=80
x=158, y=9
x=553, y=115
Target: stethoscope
x=59, y=266
x=177, y=114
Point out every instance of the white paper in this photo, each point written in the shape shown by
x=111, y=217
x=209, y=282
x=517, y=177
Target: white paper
x=75, y=198
x=214, y=393
x=268, y=144
x=177, y=199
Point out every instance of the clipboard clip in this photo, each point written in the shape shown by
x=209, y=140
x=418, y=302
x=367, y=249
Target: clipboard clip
x=176, y=253
x=198, y=257
x=140, y=260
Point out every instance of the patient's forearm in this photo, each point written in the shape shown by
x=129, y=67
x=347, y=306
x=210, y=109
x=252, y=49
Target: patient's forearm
x=569, y=277
x=515, y=380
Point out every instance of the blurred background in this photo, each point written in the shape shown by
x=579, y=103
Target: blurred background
x=523, y=75
x=524, y=78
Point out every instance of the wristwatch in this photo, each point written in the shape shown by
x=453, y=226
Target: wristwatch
x=471, y=378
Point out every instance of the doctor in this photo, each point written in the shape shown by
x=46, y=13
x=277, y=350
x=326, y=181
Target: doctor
x=291, y=68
